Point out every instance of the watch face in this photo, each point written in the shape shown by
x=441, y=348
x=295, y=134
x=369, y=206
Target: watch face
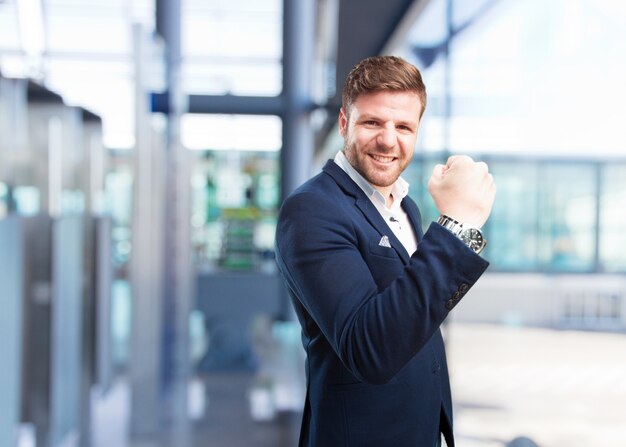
x=473, y=238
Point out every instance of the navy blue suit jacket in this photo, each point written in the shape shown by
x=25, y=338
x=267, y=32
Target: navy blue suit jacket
x=370, y=315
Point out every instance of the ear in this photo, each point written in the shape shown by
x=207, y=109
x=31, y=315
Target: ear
x=342, y=122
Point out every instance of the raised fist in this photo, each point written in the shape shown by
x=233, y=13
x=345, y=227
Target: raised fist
x=463, y=190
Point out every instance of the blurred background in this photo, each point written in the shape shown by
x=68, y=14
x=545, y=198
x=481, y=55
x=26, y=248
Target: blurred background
x=145, y=148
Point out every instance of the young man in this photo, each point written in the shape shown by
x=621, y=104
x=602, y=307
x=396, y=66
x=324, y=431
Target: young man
x=369, y=288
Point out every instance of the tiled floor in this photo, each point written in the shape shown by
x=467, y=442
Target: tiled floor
x=227, y=421
x=558, y=388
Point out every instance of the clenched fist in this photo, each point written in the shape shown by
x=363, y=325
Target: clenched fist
x=463, y=190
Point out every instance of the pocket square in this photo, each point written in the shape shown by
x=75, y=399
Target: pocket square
x=384, y=242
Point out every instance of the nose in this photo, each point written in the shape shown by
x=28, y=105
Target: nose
x=387, y=137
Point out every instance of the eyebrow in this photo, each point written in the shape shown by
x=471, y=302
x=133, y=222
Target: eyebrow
x=369, y=116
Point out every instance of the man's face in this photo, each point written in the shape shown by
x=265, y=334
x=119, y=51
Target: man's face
x=379, y=135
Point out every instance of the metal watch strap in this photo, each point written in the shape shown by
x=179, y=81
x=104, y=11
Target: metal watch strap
x=450, y=224
x=458, y=228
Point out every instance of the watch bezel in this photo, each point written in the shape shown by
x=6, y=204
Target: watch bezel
x=473, y=238
x=464, y=233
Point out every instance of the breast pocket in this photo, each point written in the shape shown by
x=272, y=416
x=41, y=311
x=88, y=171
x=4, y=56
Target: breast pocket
x=381, y=250
x=384, y=263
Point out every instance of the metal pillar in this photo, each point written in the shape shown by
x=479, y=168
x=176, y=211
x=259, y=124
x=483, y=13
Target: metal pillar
x=296, y=155
x=11, y=345
x=145, y=360
x=177, y=267
x=68, y=334
x=298, y=55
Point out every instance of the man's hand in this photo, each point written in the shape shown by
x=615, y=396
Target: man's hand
x=463, y=190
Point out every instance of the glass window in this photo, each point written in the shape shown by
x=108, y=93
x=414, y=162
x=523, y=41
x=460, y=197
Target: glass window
x=512, y=226
x=516, y=73
x=88, y=57
x=9, y=31
x=232, y=47
x=228, y=132
x=613, y=219
x=567, y=217
x=104, y=88
x=417, y=174
x=545, y=217
x=433, y=132
x=430, y=30
x=247, y=77
x=64, y=27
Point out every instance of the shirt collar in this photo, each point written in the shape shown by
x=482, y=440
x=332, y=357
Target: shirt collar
x=399, y=190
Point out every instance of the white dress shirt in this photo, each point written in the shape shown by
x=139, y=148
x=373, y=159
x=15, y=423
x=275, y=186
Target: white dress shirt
x=396, y=218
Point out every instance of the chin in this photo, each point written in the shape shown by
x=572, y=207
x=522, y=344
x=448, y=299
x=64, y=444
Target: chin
x=382, y=183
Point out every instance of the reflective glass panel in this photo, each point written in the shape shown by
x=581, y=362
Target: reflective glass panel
x=512, y=227
x=567, y=217
x=613, y=219
x=232, y=47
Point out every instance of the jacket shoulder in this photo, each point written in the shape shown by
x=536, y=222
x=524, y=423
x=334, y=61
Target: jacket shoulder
x=317, y=191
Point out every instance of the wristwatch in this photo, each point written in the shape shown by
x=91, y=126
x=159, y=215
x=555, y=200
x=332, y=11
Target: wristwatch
x=471, y=236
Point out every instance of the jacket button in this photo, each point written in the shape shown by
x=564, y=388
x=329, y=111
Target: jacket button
x=463, y=288
x=450, y=304
x=456, y=296
x=436, y=368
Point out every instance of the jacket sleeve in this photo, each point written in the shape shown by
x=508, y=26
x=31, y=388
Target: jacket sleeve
x=374, y=332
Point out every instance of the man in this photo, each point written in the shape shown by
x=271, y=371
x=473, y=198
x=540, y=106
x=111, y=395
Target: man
x=369, y=288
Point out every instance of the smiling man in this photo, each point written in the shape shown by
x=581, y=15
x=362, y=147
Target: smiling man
x=370, y=289
x=380, y=129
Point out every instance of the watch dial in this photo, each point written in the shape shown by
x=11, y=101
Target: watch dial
x=473, y=238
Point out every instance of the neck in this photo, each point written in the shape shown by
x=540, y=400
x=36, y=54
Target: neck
x=389, y=200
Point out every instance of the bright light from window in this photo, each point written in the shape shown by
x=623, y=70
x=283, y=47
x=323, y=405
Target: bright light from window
x=31, y=21
x=530, y=78
x=231, y=132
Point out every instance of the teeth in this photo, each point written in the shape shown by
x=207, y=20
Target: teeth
x=382, y=159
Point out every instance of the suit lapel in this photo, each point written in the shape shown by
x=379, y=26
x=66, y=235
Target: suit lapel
x=373, y=216
x=367, y=208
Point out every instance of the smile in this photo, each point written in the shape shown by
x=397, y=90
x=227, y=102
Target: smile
x=382, y=159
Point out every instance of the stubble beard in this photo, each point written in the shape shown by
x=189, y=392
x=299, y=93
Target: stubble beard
x=360, y=165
